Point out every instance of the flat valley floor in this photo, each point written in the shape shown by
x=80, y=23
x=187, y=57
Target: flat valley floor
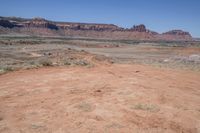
x=104, y=98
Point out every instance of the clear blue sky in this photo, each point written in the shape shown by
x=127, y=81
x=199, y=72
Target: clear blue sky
x=157, y=15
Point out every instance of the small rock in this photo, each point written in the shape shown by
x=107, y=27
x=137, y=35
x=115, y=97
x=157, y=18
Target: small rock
x=98, y=90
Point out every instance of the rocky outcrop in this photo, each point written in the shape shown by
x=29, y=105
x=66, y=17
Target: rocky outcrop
x=6, y=24
x=40, y=23
x=139, y=28
x=142, y=28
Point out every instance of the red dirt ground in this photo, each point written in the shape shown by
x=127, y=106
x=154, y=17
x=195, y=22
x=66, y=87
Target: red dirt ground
x=108, y=98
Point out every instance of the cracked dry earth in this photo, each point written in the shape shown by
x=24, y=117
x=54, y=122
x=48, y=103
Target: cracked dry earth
x=109, y=98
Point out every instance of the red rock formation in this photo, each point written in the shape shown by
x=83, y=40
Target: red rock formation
x=40, y=26
x=176, y=35
x=177, y=32
x=40, y=23
x=84, y=26
x=139, y=28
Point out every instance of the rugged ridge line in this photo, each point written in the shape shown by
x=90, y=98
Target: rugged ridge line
x=41, y=26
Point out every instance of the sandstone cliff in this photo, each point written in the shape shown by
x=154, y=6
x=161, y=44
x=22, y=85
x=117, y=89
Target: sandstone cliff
x=40, y=23
x=40, y=26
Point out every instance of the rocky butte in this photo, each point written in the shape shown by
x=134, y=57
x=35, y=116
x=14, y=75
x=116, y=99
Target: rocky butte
x=41, y=26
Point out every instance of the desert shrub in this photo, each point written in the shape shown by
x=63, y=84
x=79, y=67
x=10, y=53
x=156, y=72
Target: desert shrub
x=46, y=62
x=82, y=63
x=32, y=63
x=5, y=69
x=67, y=63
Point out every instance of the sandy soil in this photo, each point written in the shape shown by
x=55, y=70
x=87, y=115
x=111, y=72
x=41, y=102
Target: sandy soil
x=108, y=98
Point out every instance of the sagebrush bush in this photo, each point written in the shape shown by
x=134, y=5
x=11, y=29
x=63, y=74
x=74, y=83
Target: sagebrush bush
x=46, y=62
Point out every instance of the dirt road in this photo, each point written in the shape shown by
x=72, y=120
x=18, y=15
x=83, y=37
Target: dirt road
x=108, y=98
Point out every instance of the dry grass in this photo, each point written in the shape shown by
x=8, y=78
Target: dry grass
x=146, y=107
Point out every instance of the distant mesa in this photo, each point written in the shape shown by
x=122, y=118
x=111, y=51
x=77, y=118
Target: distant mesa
x=41, y=26
x=177, y=32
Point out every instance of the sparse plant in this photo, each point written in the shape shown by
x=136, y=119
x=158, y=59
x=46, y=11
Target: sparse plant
x=5, y=69
x=82, y=63
x=67, y=63
x=146, y=107
x=46, y=62
x=84, y=106
x=32, y=63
